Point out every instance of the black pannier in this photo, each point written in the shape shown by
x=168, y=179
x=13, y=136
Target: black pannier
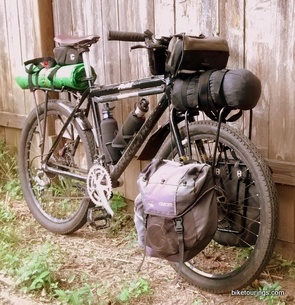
x=67, y=56
x=192, y=53
x=209, y=91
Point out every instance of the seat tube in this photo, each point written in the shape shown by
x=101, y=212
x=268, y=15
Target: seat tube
x=85, y=56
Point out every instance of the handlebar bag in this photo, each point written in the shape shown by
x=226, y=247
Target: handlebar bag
x=176, y=210
x=192, y=53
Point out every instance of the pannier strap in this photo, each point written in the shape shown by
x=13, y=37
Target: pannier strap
x=217, y=92
x=40, y=62
x=206, y=103
x=178, y=224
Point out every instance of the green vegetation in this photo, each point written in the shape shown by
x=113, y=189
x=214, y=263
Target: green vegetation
x=9, y=182
x=37, y=264
x=135, y=290
x=42, y=267
x=270, y=293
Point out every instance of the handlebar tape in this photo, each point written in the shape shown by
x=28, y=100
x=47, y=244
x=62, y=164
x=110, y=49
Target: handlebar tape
x=126, y=36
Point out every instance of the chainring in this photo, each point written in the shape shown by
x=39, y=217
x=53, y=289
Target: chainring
x=99, y=187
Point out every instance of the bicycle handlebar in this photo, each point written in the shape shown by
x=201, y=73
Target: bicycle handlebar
x=126, y=36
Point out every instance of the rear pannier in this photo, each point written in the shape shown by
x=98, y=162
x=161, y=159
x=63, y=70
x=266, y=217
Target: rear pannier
x=209, y=91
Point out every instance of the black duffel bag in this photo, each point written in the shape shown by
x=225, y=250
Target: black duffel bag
x=211, y=90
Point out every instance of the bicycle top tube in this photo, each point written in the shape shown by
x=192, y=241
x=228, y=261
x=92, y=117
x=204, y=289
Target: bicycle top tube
x=141, y=87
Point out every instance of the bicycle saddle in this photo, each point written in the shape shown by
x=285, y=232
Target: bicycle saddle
x=69, y=40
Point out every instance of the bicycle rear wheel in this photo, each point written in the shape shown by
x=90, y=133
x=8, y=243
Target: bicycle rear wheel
x=58, y=202
x=248, y=211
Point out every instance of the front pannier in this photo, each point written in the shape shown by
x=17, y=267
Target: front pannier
x=212, y=90
x=176, y=212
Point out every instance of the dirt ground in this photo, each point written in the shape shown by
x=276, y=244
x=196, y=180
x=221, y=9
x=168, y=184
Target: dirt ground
x=113, y=259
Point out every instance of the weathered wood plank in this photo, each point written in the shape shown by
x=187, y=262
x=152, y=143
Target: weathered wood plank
x=12, y=120
x=12, y=43
x=4, y=57
x=232, y=28
x=259, y=43
x=62, y=17
x=287, y=213
x=280, y=81
x=164, y=17
x=196, y=17
x=283, y=172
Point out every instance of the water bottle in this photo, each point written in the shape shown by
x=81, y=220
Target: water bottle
x=109, y=128
x=132, y=124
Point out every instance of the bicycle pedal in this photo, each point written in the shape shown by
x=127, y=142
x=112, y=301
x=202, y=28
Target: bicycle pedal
x=98, y=218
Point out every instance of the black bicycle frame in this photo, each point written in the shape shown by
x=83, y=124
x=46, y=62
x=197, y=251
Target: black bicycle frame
x=104, y=94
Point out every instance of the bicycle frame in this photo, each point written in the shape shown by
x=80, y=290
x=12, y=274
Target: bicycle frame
x=146, y=87
x=111, y=93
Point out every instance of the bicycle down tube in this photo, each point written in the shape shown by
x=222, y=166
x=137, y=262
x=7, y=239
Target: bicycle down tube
x=147, y=86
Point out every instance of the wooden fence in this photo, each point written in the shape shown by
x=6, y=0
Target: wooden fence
x=260, y=34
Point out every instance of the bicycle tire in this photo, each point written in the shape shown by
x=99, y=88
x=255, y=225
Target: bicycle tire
x=58, y=203
x=211, y=273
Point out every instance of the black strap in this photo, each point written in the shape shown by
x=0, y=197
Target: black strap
x=39, y=63
x=178, y=224
x=191, y=97
x=144, y=216
x=51, y=75
x=235, y=116
x=206, y=103
x=217, y=92
x=184, y=92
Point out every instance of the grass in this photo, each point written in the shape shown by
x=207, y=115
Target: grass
x=37, y=264
x=9, y=181
x=40, y=266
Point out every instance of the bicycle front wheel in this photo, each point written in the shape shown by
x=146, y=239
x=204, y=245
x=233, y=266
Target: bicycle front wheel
x=248, y=210
x=56, y=198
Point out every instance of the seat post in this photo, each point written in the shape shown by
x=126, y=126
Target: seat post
x=88, y=72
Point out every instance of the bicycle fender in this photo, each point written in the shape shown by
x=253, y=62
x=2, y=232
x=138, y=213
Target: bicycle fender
x=154, y=142
x=80, y=118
